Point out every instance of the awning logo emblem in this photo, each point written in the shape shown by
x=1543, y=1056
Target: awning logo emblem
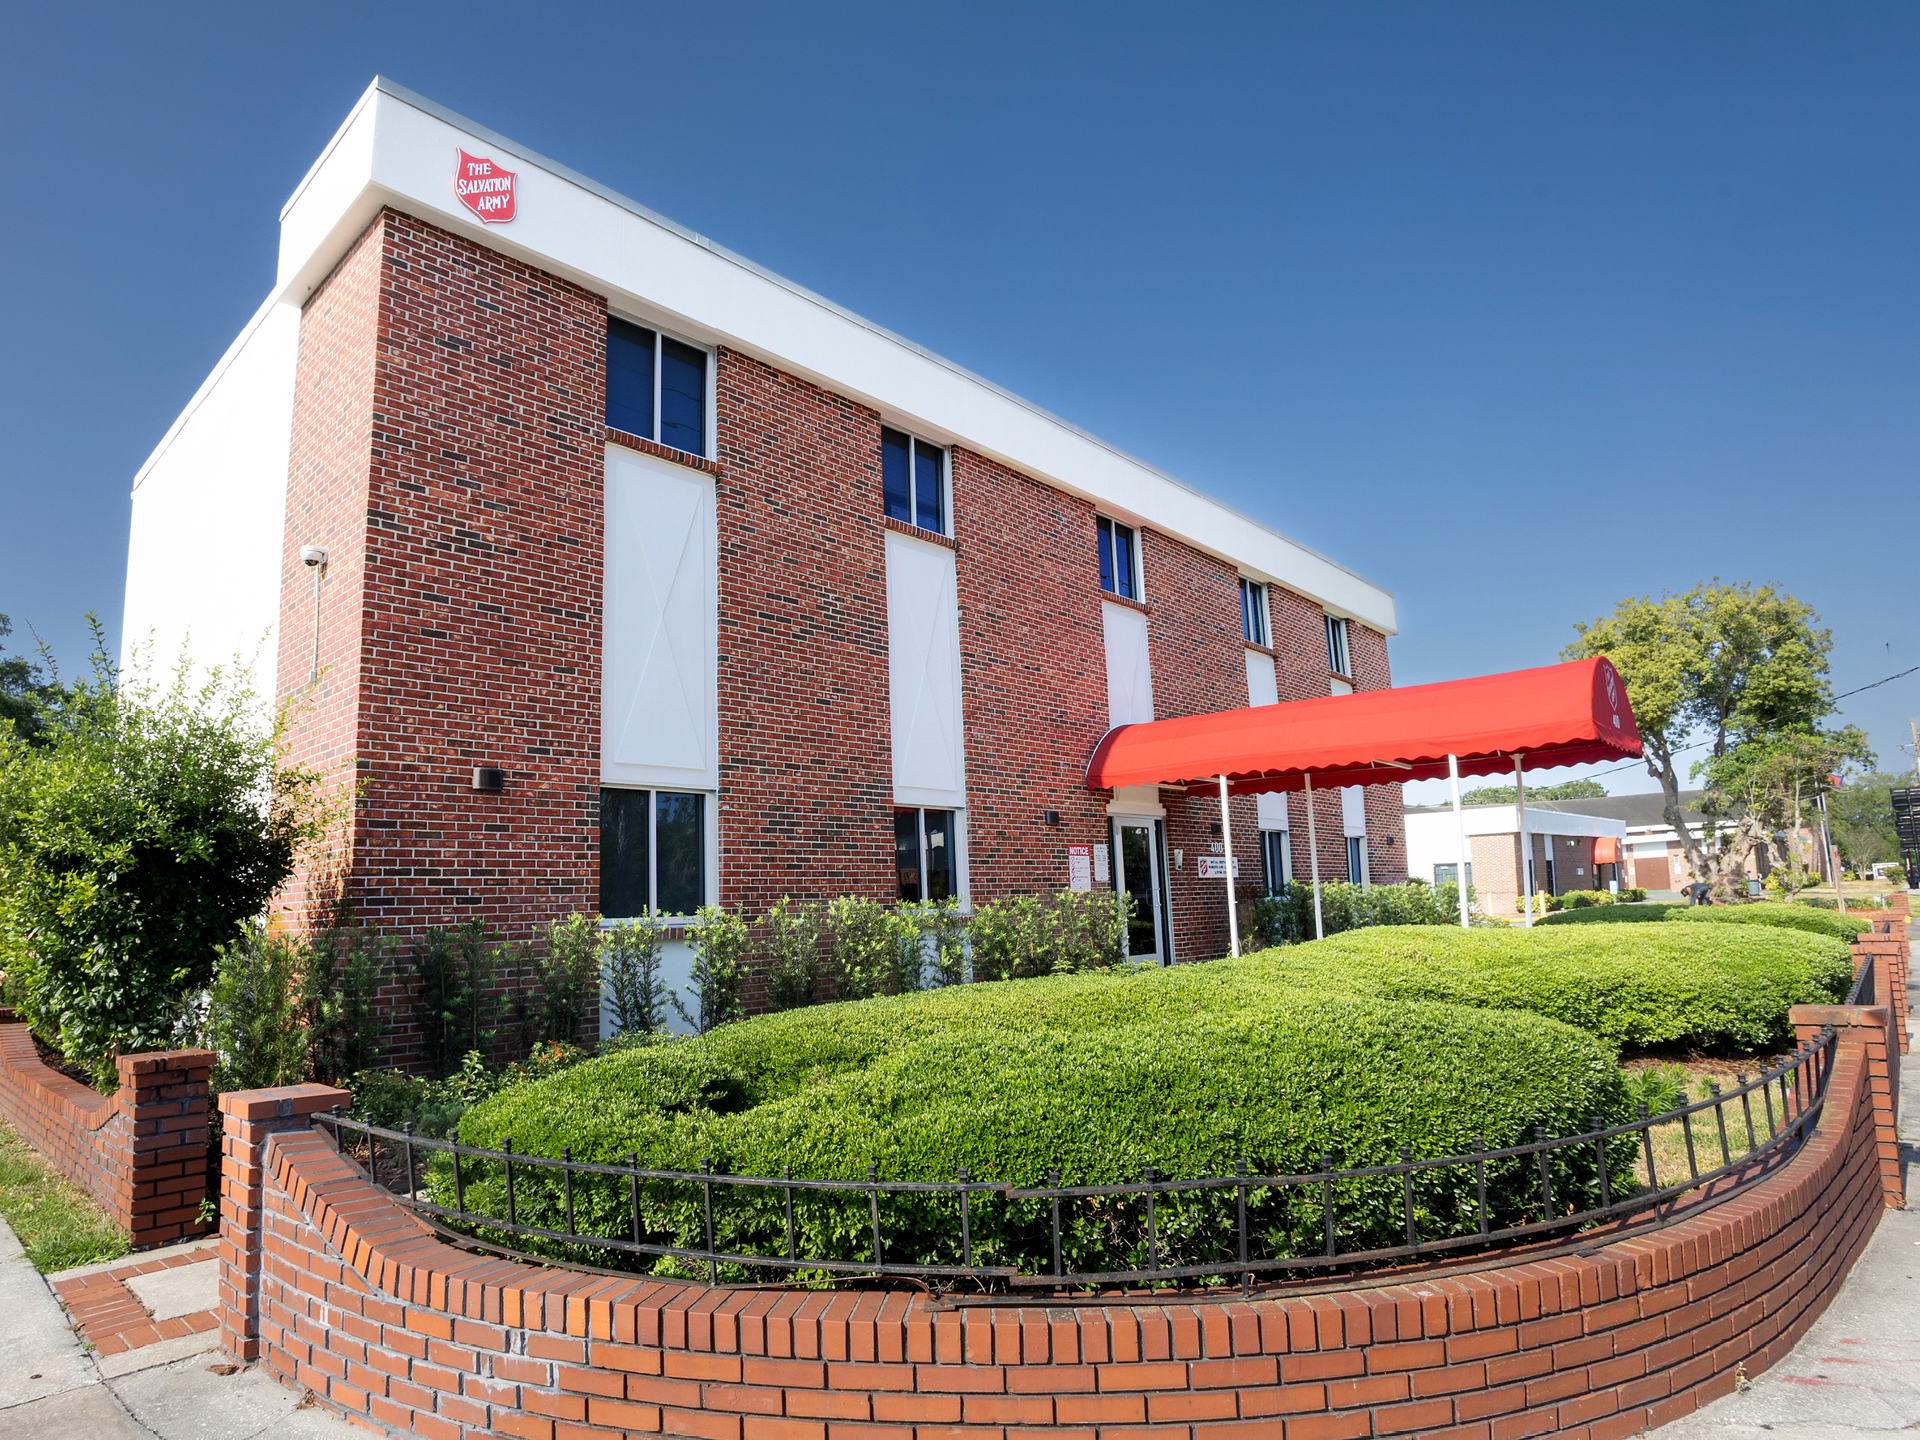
x=484, y=188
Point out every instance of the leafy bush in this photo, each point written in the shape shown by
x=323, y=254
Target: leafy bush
x=1647, y=985
x=138, y=832
x=1759, y=912
x=1623, y=913
x=1187, y=1069
x=459, y=1004
x=1061, y=932
x=1582, y=899
x=567, y=976
x=793, y=964
x=719, y=940
x=630, y=970
x=1778, y=913
x=1287, y=918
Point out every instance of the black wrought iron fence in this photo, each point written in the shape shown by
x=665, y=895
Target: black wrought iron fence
x=1162, y=1230
x=1862, y=992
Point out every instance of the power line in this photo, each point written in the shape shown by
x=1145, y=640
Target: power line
x=1700, y=745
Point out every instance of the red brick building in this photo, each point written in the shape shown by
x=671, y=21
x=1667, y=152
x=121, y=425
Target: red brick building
x=643, y=577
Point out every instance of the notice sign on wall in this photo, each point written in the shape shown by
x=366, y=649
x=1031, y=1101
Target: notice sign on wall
x=1079, y=867
x=1214, y=867
x=484, y=188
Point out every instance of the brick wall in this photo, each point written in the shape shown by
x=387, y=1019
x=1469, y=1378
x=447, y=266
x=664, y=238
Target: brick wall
x=447, y=452
x=352, y=1298
x=141, y=1152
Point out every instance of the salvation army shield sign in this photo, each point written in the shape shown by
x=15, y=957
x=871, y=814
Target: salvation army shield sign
x=484, y=188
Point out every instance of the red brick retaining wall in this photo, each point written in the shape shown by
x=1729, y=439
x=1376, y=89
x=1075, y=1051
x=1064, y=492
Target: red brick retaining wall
x=344, y=1293
x=141, y=1152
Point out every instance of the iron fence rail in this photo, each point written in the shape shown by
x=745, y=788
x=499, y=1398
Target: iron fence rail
x=1788, y=1097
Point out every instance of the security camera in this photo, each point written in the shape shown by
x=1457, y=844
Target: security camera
x=312, y=555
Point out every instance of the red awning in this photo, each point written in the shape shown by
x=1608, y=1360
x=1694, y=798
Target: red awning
x=1606, y=850
x=1568, y=714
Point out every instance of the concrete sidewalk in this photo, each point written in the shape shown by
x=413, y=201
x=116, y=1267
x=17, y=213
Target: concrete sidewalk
x=1857, y=1372
x=55, y=1388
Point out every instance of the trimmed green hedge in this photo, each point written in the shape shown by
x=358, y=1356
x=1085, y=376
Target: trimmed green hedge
x=1188, y=1070
x=1647, y=985
x=1627, y=914
x=1777, y=913
x=1783, y=914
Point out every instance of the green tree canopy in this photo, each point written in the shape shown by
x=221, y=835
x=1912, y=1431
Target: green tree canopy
x=1861, y=812
x=1506, y=794
x=24, y=691
x=1739, y=670
x=135, y=838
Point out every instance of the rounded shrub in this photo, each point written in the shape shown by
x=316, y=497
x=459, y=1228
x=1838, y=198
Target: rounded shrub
x=1188, y=1070
x=1623, y=914
x=1642, y=985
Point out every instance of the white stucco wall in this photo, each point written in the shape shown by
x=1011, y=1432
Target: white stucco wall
x=209, y=511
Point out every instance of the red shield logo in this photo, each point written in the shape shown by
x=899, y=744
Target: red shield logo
x=484, y=188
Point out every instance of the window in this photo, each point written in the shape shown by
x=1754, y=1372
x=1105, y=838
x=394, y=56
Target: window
x=651, y=376
x=913, y=481
x=1276, y=857
x=1447, y=874
x=1253, y=612
x=1117, y=575
x=1357, y=860
x=1337, y=646
x=653, y=853
x=924, y=854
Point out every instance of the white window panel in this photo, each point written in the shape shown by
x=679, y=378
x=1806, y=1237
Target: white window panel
x=923, y=671
x=1263, y=686
x=1272, y=811
x=660, y=658
x=1129, y=668
x=1353, y=810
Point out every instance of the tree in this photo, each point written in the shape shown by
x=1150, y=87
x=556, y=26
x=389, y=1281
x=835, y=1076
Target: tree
x=1731, y=668
x=24, y=693
x=138, y=833
x=1507, y=794
x=1861, y=812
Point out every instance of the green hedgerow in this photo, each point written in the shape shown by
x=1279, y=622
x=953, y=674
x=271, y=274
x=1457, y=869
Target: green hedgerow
x=1097, y=1075
x=1624, y=914
x=1649, y=985
x=1778, y=913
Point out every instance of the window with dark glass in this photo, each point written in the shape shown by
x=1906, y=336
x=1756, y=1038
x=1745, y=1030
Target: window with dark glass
x=924, y=854
x=1117, y=574
x=1448, y=874
x=1357, y=859
x=913, y=481
x=1253, y=611
x=1276, y=856
x=1337, y=646
x=653, y=853
x=653, y=376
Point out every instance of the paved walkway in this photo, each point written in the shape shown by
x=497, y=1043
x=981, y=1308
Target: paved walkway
x=1857, y=1372
x=133, y=1355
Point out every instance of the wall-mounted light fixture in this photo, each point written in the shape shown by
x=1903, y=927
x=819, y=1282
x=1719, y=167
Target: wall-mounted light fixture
x=488, y=779
x=1214, y=829
x=1051, y=817
x=315, y=559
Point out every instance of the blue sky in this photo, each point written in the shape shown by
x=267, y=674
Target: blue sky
x=1515, y=309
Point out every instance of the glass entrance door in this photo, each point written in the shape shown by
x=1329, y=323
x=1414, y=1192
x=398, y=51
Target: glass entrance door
x=1140, y=874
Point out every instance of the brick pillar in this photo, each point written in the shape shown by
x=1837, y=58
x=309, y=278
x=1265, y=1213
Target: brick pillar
x=161, y=1176
x=1891, y=951
x=248, y=1118
x=1869, y=1027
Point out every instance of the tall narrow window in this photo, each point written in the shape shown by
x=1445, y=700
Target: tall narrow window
x=1117, y=573
x=925, y=854
x=1356, y=859
x=1337, y=660
x=1276, y=857
x=655, y=377
x=653, y=853
x=913, y=481
x=1253, y=612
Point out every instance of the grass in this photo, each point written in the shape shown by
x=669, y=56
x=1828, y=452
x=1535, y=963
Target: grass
x=58, y=1223
x=1670, y=1158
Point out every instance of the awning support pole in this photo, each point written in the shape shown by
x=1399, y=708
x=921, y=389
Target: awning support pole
x=1226, y=833
x=1313, y=858
x=1460, y=823
x=1526, y=839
